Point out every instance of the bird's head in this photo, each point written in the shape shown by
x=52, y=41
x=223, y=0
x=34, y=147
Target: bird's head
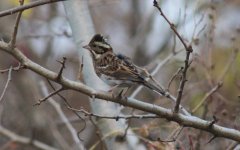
x=98, y=45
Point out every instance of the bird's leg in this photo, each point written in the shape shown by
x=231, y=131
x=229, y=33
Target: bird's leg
x=122, y=93
x=112, y=88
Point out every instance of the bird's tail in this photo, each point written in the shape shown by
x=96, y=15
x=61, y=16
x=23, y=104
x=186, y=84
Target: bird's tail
x=154, y=87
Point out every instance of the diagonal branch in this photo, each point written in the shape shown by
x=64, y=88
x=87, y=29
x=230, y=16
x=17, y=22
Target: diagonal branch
x=27, y=6
x=6, y=85
x=24, y=140
x=184, y=120
x=188, y=49
x=48, y=96
x=14, y=34
x=172, y=26
x=63, y=117
x=63, y=66
x=213, y=90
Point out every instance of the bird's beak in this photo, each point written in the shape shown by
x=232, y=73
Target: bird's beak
x=87, y=47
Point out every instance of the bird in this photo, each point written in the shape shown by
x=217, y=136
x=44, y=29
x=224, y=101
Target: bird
x=117, y=69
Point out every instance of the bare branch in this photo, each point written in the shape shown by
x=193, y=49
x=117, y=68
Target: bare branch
x=229, y=64
x=233, y=145
x=188, y=49
x=6, y=85
x=114, y=117
x=173, y=77
x=211, y=139
x=13, y=69
x=214, y=89
x=27, y=6
x=63, y=66
x=48, y=96
x=155, y=71
x=68, y=105
x=63, y=117
x=184, y=120
x=172, y=26
x=14, y=34
x=182, y=83
x=100, y=140
x=80, y=69
x=24, y=140
x=175, y=133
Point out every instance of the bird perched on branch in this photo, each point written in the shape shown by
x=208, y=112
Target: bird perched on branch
x=118, y=69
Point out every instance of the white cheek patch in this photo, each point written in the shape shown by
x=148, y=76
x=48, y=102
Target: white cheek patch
x=102, y=45
x=97, y=56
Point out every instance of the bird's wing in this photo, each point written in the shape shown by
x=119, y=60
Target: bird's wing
x=127, y=68
x=137, y=73
x=122, y=68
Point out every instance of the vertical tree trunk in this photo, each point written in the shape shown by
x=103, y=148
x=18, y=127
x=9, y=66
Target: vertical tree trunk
x=83, y=29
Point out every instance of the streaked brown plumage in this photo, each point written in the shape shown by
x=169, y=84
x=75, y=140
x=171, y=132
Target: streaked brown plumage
x=117, y=69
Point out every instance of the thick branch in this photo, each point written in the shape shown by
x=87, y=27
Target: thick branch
x=187, y=121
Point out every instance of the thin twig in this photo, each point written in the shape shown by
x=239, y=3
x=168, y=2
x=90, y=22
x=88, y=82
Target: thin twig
x=13, y=69
x=173, y=77
x=211, y=139
x=36, y=36
x=211, y=123
x=182, y=82
x=48, y=96
x=103, y=146
x=214, y=89
x=63, y=66
x=155, y=71
x=27, y=6
x=188, y=49
x=229, y=64
x=174, y=135
x=114, y=133
x=172, y=26
x=196, y=24
x=114, y=117
x=232, y=145
x=14, y=34
x=62, y=116
x=139, y=88
x=6, y=85
x=174, y=132
x=174, y=44
x=80, y=69
x=24, y=140
x=68, y=105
